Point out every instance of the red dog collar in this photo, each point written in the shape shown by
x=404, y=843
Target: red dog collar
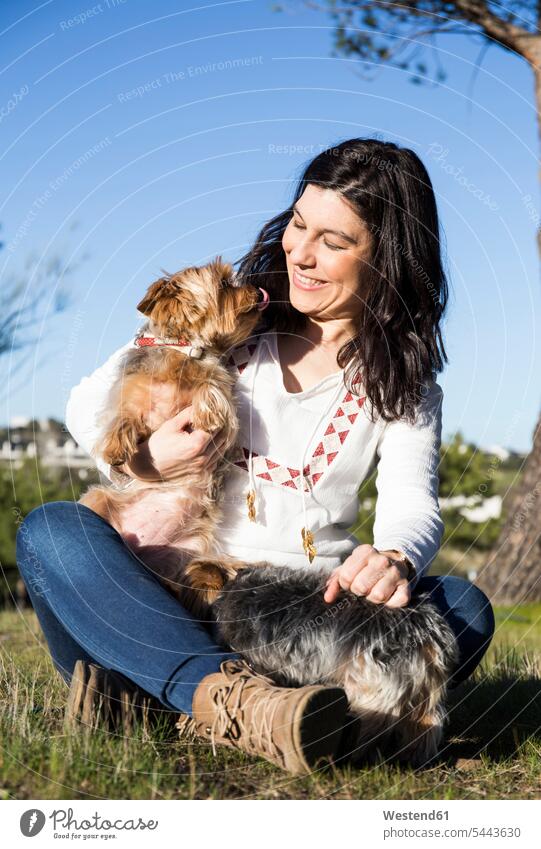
x=180, y=344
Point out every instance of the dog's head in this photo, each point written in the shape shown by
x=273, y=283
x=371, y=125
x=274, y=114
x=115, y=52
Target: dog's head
x=202, y=302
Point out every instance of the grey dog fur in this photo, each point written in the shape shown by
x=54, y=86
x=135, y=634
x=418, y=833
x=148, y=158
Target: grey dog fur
x=393, y=663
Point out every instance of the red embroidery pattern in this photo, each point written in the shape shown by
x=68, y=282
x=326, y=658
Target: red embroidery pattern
x=335, y=435
x=240, y=357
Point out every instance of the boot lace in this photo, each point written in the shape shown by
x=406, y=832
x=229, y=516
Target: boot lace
x=255, y=737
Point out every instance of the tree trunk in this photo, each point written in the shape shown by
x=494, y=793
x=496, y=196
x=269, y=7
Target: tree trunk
x=512, y=574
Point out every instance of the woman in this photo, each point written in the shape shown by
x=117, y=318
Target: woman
x=342, y=380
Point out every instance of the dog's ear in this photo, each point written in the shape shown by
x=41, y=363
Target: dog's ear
x=154, y=292
x=224, y=270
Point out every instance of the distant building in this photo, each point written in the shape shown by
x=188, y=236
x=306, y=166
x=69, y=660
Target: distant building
x=474, y=507
x=497, y=451
x=489, y=508
x=47, y=439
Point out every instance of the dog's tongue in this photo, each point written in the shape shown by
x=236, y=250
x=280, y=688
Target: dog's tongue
x=263, y=304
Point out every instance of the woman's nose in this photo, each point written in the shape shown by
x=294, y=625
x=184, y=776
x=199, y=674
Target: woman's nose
x=303, y=253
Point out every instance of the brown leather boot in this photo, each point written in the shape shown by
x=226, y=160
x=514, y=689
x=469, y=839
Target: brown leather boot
x=99, y=695
x=293, y=728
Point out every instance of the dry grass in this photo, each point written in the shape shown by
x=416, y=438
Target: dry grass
x=493, y=747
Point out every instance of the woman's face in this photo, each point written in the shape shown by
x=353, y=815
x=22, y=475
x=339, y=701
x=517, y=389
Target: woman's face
x=327, y=246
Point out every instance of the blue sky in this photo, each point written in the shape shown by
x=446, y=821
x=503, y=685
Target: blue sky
x=138, y=136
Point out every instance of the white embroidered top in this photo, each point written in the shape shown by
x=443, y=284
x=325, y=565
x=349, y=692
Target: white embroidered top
x=325, y=431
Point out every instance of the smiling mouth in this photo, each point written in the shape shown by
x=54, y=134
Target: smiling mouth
x=304, y=282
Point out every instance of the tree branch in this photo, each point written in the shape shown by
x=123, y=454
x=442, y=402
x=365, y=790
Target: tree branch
x=508, y=35
x=484, y=47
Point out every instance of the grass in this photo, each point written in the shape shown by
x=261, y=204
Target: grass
x=492, y=751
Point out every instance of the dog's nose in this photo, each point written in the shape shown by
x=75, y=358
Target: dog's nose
x=264, y=299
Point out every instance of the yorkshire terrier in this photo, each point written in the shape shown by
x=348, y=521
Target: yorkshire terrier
x=195, y=318
x=392, y=663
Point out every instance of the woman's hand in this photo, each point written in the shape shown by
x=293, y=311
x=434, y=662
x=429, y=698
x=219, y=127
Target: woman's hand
x=373, y=574
x=172, y=447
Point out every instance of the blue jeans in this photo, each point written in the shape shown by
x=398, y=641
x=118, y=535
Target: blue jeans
x=96, y=601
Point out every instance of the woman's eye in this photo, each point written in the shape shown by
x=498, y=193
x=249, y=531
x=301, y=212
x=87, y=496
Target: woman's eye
x=332, y=247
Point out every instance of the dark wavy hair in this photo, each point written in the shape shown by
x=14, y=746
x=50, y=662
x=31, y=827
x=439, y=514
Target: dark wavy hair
x=398, y=345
